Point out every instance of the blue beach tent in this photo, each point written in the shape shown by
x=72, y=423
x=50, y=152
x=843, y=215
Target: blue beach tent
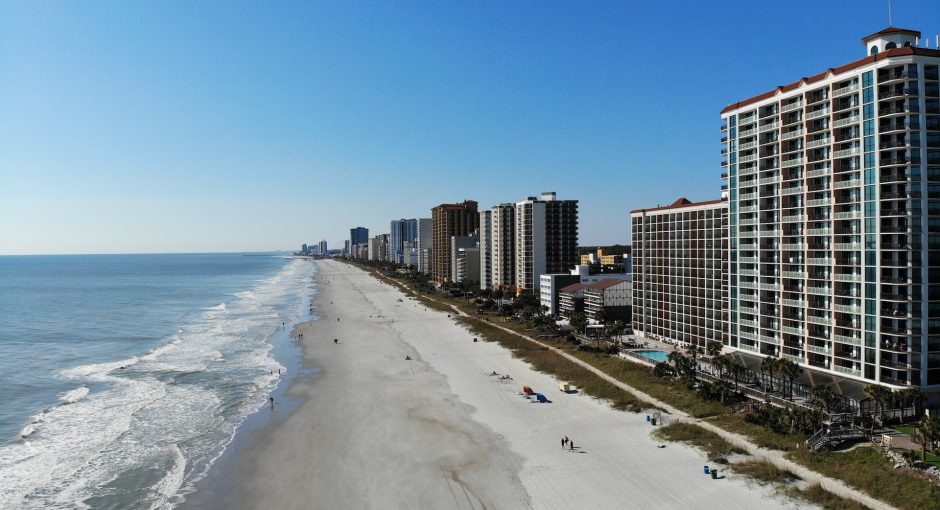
x=541, y=398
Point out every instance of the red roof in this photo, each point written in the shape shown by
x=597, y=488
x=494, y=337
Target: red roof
x=895, y=52
x=603, y=284
x=678, y=204
x=890, y=30
x=574, y=287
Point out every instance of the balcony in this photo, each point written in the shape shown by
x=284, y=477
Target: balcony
x=854, y=151
x=747, y=132
x=818, y=113
x=845, y=90
x=819, y=261
x=855, y=309
x=792, y=106
x=853, y=119
x=818, y=349
x=793, y=162
x=792, y=134
x=847, y=370
x=819, y=291
x=747, y=158
x=848, y=277
x=768, y=127
x=847, y=183
x=851, y=340
x=819, y=143
x=847, y=246
x=822, y=321
x=819, y=232
x=819, y=202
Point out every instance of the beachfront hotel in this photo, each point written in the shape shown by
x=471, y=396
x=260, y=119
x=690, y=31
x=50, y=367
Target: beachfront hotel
x=502, y=241
x=546, y=238
x=834, y=217
x=679, y=268
x=447, y=221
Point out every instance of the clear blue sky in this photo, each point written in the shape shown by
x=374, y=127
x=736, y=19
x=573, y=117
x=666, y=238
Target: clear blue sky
x=225, y=126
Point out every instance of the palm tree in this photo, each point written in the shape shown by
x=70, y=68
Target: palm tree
x=916, y=398
x=824, y=394
x=720, y=363
x=879, y=395
x=736, y=368
x=722, y=387
x=769, y=364
x=788, y=370
x=927, y=433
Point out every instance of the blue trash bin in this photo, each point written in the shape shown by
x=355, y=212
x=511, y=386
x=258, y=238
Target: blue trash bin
x=706, y=470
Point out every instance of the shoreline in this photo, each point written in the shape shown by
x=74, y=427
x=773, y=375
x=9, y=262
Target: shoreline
x=373, y=430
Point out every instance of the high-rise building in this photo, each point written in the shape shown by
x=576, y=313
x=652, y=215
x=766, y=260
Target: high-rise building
x=679, y=259
x=503, y=245
x=834, y=197
x=402, y=231
x=378, y=247
x=449, y=220
x=322, y=247
x=486, y=249
x=546, y=238
x=425, y=235
x=358, y=235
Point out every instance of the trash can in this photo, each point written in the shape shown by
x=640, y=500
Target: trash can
x=647, y=417
x=706, y=470
x=653, y=421
x=714, y=474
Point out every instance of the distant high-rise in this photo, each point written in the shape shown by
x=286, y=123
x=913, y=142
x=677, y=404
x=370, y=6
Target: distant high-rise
x=449, y=220
x=546, y=238
x=322, y=247
x=834, y=195
x=425, y=241
x=486, y=249
x=358, y=235
x=402, y=231
x=502, y=239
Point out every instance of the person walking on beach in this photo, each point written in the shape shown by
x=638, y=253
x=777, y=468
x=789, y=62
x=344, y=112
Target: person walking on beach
x=336, y=340
x=571, y=444
x=562, y=443
x=272, y=402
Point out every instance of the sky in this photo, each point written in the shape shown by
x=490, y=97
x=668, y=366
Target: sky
x=172, y=126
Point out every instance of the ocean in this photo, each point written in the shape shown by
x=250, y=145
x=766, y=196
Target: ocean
x=123, y=377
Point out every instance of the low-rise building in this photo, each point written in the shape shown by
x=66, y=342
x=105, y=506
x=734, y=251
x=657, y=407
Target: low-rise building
x=549, y=287
x=608, y=300
x=571, y=299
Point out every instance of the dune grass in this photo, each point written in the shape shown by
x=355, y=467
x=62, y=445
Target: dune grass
x=712, y=444
x=868, y=470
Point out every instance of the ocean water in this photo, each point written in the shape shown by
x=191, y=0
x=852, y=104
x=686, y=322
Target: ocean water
x=123, y=377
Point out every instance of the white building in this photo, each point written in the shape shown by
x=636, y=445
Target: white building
x=546, y=238
x=503, y=245
x=834, y=195
x=486, y=249
x=551, y=284
x=458, y=243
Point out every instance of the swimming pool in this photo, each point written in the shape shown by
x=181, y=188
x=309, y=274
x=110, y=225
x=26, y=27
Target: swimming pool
x=653, y=355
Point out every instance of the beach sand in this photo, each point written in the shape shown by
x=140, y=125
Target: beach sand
x=373, y=430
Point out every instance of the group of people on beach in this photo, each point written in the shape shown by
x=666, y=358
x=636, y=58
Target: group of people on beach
x=567, y=442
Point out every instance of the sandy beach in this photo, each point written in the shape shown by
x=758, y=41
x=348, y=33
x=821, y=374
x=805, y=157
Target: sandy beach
x=374, y=430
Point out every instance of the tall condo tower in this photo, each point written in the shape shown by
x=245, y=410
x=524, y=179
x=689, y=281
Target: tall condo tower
x=449, y=220
x=546, y=238
x=834, y=217
x=679, y=272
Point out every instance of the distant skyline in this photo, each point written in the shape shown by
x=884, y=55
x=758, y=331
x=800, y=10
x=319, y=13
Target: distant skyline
x=244, y=126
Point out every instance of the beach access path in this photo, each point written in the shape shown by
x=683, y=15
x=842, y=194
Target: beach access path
x=374, y=430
